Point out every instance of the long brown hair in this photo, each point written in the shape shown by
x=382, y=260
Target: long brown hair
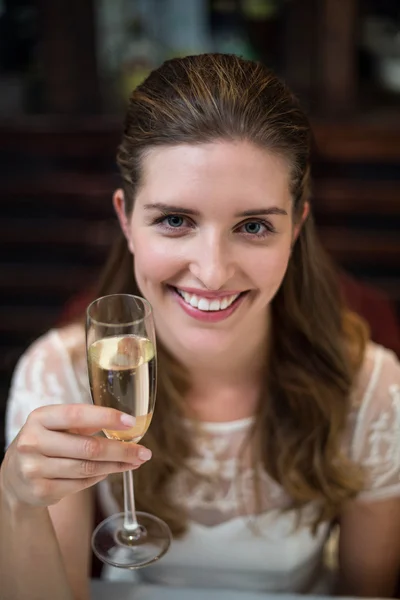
x=316, y=344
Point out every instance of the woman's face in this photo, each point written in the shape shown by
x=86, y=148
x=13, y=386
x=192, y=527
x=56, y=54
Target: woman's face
x=211, y=234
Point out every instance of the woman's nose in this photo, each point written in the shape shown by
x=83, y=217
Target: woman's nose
x=213, y=264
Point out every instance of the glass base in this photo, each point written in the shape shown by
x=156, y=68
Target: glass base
x=135, y=549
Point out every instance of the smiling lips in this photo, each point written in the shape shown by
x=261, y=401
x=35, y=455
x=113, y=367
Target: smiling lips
x=207, y=304
x=211, y=307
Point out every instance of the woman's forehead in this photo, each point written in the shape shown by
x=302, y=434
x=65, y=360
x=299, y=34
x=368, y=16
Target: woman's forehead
x=239, y=173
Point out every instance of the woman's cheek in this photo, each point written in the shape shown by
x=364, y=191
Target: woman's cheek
x=157, y=261
x=271, y=270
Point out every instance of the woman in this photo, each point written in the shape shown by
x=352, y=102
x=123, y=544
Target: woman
x=275, y=416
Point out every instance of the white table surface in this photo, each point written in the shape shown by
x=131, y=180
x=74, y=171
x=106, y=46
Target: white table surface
x=102, y=590
x=106, y=590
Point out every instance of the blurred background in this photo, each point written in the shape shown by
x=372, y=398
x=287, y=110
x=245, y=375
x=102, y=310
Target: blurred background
x=66, y=70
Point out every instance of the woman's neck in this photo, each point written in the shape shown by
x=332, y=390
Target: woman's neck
x=228, y=390
x=226, y=385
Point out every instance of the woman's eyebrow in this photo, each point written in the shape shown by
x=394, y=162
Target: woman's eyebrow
x=170, y=208
x=256, y=212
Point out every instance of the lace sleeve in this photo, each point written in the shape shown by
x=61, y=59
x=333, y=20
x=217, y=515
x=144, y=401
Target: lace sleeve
x=376, y=439
x=45, y=375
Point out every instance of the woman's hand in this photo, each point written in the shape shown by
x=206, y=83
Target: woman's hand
x=55, y=453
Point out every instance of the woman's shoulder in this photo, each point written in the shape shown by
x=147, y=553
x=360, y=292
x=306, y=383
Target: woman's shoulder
x=58, y=352
x=68, y=336
x=375, y=421
x=51, y=371
x=56, y=345
x=378, y=377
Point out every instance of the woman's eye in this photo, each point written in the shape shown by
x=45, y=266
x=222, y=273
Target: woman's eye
x=259, y=229
x=174, y=221
x=254, y=227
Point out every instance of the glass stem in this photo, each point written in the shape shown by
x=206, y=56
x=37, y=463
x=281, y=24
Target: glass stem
x=130, y=520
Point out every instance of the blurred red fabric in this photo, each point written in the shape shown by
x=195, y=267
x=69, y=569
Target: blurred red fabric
x=376, y=308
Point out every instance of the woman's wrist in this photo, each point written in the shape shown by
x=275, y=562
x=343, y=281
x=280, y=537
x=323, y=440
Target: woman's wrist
x=11, y=502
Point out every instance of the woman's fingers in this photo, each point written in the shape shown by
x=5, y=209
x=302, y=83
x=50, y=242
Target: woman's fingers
x=90, y=448
x=46, y=462
x=80, y=417
x=39, y=467
x=45, y=492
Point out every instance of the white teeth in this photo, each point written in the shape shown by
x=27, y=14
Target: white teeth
x=185, y=296
x=206, y=304
x=224, y=303
x=215, y=305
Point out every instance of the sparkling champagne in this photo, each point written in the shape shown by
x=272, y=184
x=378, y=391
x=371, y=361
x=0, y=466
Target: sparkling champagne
x=122, y=375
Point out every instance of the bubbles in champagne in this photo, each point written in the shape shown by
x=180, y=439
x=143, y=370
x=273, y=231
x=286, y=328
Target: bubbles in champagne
x=122, y=375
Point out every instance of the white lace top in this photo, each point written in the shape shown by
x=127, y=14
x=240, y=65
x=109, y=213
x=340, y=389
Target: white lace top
x=222, y=548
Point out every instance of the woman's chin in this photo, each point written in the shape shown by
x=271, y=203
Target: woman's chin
x=205, y=345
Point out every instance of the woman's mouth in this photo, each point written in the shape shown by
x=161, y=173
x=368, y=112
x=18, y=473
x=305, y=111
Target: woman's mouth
x=208, y=309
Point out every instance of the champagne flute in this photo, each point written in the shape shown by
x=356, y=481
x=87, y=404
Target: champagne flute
x=122, y=365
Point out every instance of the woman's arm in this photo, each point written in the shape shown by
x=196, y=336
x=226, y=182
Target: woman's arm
x=32, y=565
x=73, y=521
x=369, y=548
x=45, y=551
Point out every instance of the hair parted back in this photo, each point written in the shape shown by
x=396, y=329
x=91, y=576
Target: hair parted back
x=316, y=346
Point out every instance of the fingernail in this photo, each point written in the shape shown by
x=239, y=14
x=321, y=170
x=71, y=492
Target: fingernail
x=144, y=453
x=128, y=420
